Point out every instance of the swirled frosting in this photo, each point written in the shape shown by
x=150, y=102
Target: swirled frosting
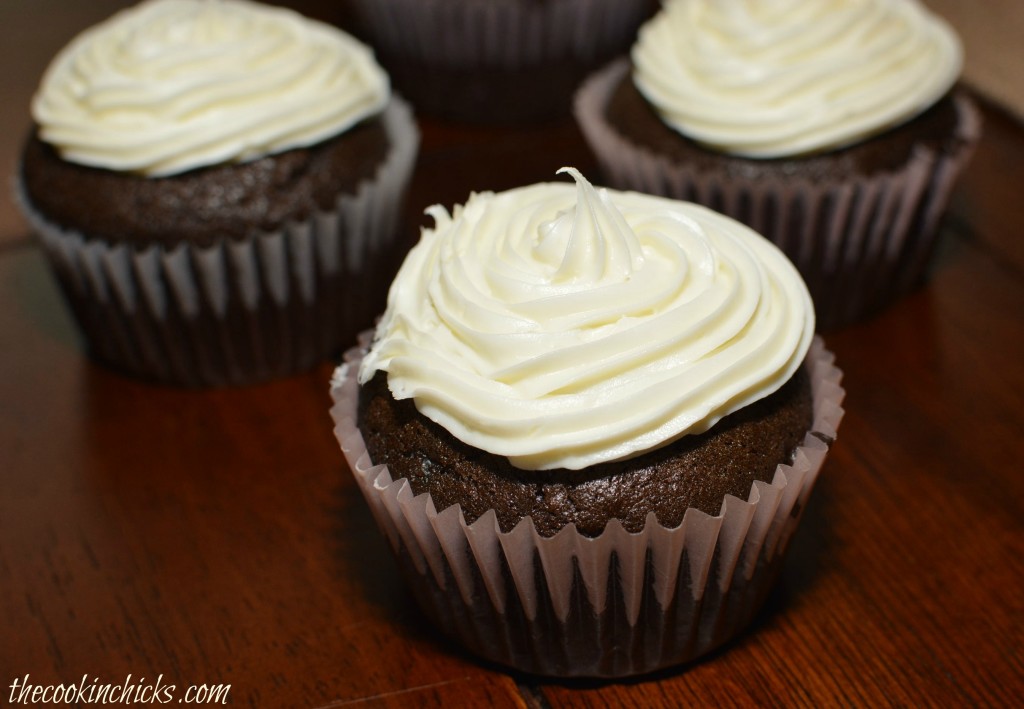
x=172, y=85
x=564, y=326
x=777, y=78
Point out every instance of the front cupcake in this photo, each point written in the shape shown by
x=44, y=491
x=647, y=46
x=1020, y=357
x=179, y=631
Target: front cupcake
x=832, y=127
x=216, y=186
x=588, y=423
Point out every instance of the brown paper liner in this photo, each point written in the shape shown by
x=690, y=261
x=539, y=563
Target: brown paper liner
x=239, y=311
x=501, y=61
x=859, y=244
x=615, y=605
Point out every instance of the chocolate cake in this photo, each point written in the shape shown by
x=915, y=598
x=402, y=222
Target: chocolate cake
x=696, y=471
x=204, y=205
x=636, y=120
x=814, y=128
x=227, y=213
x=588, y=422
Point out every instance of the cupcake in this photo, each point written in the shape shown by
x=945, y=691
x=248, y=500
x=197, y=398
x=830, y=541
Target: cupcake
x=216, y=186
x=832, y=127
x=496, y=61
x=588, y=423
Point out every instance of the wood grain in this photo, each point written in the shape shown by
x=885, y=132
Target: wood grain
x=207, y=536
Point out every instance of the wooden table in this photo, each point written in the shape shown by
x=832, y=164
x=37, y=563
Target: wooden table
x=216, y=538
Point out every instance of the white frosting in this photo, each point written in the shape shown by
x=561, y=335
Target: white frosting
x=171, y=85
x=775, y=78
x=565, y=326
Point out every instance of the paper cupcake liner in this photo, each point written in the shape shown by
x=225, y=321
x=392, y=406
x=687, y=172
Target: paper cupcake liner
x=569, y=605
x=860, y=244
x=507, y=34
x=498, y=61
x=239, y=311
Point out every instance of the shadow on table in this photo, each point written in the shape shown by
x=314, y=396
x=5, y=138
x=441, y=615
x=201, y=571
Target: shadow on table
x=364, y=558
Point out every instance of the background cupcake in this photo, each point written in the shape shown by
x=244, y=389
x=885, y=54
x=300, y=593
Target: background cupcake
x=496, y=61
x=833, y=127
x=216, y=188
x=589, y=491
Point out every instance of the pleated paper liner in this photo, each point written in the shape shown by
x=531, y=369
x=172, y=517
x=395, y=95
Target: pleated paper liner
x=859, y=244
x=616, y=605
x=501, y=61
x=239, y=311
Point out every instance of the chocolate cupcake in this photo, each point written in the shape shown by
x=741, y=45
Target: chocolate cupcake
x=216, y=186
x=588, y=423
x=834, y=128
x=496, y=61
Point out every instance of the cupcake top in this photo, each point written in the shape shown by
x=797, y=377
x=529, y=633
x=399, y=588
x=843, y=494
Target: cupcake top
x=168, y=86
x=563, y=326
x=779, y=78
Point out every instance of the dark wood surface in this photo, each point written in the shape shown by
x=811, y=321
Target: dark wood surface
x=216, y=537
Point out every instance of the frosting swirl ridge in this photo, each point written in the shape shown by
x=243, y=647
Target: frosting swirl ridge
x=564, y=326
x=778, y=78
x=172, y=85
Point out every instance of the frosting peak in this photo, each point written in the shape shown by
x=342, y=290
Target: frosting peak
x=171, y=85
x=776, y=78
x=589, y=242
x=564, y=326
